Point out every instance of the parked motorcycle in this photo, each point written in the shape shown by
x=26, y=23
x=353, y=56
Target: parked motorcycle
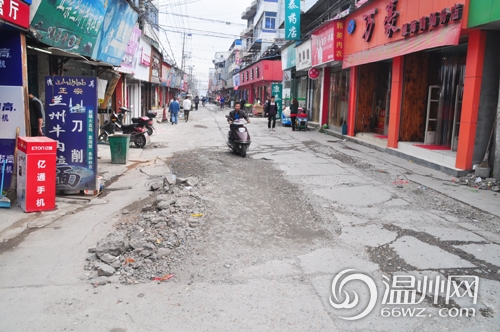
x=238, y=138
x=137, y=131
x=149, y=126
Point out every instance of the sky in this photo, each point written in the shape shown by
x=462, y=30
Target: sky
x=200, y=46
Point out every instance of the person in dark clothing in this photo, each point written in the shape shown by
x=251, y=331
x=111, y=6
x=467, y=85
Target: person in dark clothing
x=271, y=109
x=196, y=102
x=294, y=110
x=37, y=116
x=237, y=113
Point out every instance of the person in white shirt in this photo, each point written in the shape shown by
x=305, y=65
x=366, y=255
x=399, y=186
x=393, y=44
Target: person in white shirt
x=186, y=104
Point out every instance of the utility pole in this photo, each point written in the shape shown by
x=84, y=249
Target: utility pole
x=182, y=61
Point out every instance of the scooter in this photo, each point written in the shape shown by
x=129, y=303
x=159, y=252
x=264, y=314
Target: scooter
x=238, y=138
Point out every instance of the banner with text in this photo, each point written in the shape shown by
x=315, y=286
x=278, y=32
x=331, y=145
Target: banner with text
x=71, y=108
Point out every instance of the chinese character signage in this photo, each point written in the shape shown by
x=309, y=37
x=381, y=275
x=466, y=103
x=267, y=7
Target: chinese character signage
x=292, y=19
x=276, y=91
x=36, y=173
x=116, y=29
x=71, y=110
x=327, y=43
x=237, y=58
x=15, y=11
x=303, y=55
x=69, y=25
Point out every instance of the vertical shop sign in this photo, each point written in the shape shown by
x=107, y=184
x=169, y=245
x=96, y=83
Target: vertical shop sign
x=292, y=19
x=338, y=40
x=71, y=108
x=69, y=27
x=237, y=58
x=277, y=92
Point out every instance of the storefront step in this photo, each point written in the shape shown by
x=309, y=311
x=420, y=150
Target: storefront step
x=407, y=151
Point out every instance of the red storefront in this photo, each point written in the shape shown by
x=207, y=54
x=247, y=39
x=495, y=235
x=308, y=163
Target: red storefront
x=415, y=76
x=257, y=79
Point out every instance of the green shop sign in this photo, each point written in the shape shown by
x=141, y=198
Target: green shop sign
x=292, y=19
x=69, y=27
x=277, y=92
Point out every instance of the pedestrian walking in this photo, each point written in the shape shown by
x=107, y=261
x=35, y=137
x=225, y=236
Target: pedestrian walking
x=294, y=110
x=174, y=110
x=196, y=102
x=222, y=100
x=37, y=116
x=186, y=104
x=271, y=109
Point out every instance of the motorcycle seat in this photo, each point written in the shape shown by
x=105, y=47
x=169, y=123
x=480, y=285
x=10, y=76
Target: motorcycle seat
x=129, y=126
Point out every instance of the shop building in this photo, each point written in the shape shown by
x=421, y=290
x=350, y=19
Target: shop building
x=415, y=78
x=301, y=83
x=325, y=99
x=256, y=79
x=485, y=15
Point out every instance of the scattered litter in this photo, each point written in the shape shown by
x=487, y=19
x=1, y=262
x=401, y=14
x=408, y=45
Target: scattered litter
x=129, y=261
x=400, y=182
x=197, y=215
x=471, y=180
x=168, y=276
x=450, y=184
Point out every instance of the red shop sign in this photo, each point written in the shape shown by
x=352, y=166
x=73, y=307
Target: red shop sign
x=15, y=12
x=313, y=73
x=327, y=43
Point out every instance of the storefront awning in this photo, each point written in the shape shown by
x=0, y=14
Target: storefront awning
x=236, y=87
x=444, y=36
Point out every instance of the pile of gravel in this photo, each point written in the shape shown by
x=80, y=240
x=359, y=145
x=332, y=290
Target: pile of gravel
x=147, y=247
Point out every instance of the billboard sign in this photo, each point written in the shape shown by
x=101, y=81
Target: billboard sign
x=73, y=29
x=327, y=43
x=116, y=29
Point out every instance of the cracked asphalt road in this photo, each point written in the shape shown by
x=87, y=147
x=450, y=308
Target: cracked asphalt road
x=281, y=224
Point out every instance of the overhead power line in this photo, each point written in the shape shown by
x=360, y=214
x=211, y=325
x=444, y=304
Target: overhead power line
x=203, y=19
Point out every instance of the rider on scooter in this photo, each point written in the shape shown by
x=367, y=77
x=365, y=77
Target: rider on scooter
x=237, y=113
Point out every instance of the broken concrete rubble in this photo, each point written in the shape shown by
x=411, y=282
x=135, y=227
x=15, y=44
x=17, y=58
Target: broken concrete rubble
x=148, y=245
